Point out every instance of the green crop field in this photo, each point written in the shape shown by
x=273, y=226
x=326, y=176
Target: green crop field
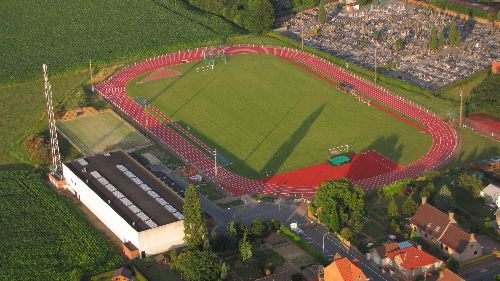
x=98, y=133
x=270, y=116
x=42, y=237
x=68, y=33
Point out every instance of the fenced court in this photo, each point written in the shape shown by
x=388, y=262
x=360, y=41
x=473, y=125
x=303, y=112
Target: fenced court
x=99, y=133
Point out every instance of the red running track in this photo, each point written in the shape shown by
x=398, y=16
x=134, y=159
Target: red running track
x=444, y=138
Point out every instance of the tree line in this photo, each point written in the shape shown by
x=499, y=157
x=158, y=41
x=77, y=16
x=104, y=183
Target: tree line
x=256, y=16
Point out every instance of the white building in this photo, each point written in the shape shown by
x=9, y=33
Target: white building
x=140, y=210
x=492, y=194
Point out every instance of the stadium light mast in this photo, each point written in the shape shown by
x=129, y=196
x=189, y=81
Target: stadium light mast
x=302, y=36
x=56, y=173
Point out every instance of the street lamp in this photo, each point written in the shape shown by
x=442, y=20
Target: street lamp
x=324, y=242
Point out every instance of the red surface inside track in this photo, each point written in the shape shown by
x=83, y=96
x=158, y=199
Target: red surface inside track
x=444, y=138
x=365, y=165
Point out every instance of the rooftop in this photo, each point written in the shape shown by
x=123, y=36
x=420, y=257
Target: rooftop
x=132, y=191
x=412, y=258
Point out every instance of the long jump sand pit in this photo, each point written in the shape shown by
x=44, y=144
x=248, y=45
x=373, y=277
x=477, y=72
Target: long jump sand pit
x=160, y=74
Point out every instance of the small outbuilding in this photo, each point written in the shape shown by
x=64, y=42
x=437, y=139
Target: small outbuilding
x=122, y=274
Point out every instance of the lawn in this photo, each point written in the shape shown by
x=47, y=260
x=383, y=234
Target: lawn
x=269, y=116
x=23, y=111
x=67, y=34
x=210, y=191
x=102, y=132
x=43, y=237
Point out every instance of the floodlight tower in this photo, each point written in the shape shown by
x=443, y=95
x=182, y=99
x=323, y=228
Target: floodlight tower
x=55, y=175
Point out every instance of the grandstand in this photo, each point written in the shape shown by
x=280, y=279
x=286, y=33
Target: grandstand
x=140, y=210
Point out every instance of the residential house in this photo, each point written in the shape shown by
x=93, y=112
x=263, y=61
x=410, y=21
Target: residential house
x=122, y=274
x=412, y=262
x=342, y=269
x=444, y=232
x=405, y=258
x=492, y=194
x=448, y=275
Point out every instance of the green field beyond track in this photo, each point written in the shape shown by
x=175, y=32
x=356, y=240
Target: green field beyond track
x=270, y=116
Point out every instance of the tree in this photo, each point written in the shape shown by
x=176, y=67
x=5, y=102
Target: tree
x=444, y=200
x=428, y=189
x=398, y=45
x=471, y=183
x=454, y=38
x=174, y=259
x=195, y=226
x=196, y=265
x=339, y=199
x=441, y=39
x=392, y=209
x=409, y=207
x=258, y=227
x=245, y=248
x=433, y=43
x=224, y=271
x=395, y=227
x=322, y=14
x=346, y=233
x=259, y=16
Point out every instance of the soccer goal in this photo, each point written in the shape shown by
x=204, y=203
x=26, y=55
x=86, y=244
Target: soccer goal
x=338, y=150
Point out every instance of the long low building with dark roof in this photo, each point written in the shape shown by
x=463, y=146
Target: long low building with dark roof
x=145, y=214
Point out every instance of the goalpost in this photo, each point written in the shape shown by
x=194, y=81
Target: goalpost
x=341, y=149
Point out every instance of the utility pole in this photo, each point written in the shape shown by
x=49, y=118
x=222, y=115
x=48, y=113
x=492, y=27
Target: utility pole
x=215, y=162
x=461, y=106
x=91, y=80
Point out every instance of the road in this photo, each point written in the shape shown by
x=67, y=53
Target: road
x=288, y=213
x=481, y=272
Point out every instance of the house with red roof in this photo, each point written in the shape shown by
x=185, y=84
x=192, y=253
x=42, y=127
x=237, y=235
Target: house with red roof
x=444, y=232
x=342, y=269
x=448, y=275
x=412, y=262
x=404, y=258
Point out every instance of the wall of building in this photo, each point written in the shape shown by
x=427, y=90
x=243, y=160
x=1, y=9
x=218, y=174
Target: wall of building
x=101, y=209
x=162, y=238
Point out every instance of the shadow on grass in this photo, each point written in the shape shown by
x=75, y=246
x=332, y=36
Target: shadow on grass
x=284, y=151
x=388, y=146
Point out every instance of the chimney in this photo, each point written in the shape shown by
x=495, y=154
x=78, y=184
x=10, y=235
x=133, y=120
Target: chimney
x=451, y=215
x=424, y=200
x=472, y=238
x=441, y=273
x=419, y=247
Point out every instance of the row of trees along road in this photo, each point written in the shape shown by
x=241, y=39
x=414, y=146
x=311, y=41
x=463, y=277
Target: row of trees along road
x=339, y=205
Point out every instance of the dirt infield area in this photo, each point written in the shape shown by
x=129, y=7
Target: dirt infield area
x=160, y=74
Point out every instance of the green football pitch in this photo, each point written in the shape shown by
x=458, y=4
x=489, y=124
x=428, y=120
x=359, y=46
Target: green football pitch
x=268, y=116
x=98, y=133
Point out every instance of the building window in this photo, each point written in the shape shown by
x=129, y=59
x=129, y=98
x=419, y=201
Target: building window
x=475, y=253
x=426, y=235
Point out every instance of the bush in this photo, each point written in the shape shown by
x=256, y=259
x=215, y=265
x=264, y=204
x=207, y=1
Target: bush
x=346, y=233
x=395, y=188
